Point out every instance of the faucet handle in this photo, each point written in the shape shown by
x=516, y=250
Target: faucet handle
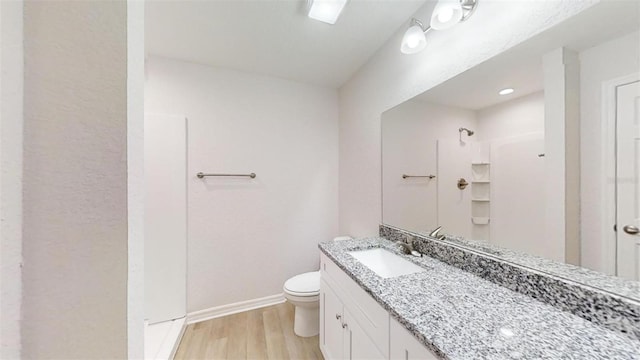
x=409, y=239
x=434, y=233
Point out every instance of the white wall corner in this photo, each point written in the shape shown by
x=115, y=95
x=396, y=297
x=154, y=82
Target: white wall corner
x=572, y=156
x=561, y=69
x=135, y=181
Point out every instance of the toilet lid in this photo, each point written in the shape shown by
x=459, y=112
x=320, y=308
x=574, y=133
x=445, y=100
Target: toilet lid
x=307, y=283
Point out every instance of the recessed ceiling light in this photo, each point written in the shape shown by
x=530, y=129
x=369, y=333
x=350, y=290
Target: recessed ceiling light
x=506, y=332
x=326, y=11
x=506, y=91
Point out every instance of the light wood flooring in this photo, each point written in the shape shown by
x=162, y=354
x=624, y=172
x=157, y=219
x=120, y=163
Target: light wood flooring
x=265, y=333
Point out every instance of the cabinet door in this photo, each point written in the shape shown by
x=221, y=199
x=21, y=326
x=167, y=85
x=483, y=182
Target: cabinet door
x=358, y=345
x=404, y=346
x=331, y=332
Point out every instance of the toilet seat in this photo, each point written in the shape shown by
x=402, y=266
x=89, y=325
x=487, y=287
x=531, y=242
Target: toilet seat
x=303, y=285
x=303, y=292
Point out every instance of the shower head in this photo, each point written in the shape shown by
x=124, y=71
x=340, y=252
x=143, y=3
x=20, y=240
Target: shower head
x=469, y=132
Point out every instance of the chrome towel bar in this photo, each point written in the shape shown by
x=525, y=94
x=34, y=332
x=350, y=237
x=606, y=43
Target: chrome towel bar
x=201, y=175
x=404, y=176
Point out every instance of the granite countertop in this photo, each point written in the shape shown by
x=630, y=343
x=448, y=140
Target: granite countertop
x=461, y=316
x=613, y=284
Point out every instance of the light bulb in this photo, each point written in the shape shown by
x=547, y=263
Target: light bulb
x=413, y=41
x=446, y=14
x=506, y=91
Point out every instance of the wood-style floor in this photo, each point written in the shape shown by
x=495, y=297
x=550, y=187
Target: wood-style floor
x=265, y=333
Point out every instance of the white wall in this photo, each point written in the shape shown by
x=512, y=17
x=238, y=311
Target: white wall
x=409, y=136
x=515, y=131
x=389, y=78
x=615, y=58
x=520, y=116
x=11, y=123
x=246, y=237
x=135, y=170
x=165, y=216
x=75, y=180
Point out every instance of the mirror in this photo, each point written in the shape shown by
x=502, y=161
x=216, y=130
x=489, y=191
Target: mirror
x=546, y=169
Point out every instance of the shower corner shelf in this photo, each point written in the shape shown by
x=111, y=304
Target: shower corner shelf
x=483, y=200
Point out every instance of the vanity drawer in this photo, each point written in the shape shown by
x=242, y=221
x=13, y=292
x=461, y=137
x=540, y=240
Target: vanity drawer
x=371, y=317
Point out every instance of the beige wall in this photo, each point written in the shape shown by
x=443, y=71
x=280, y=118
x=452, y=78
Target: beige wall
x=11, y=122
x=75, y=180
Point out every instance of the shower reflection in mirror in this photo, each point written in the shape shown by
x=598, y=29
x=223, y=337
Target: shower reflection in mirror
x=529, y=124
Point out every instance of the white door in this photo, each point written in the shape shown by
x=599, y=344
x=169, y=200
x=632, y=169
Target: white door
x=331, y=332
x=165, y=218
x=628, y=180
x=358, y=345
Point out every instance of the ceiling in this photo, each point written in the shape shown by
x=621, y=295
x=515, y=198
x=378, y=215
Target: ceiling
x=274, y=37
x=521, y=67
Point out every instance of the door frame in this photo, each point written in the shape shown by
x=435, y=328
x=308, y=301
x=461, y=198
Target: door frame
x=608, y=173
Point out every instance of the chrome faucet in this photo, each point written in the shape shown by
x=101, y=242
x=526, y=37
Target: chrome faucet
x=407, y=246
x=434, y=233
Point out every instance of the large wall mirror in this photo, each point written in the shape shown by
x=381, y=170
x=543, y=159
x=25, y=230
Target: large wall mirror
x=535, y=151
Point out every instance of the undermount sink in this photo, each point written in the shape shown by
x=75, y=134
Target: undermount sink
x=385, y=263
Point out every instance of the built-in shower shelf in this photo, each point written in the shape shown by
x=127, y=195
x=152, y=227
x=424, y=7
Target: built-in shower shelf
x=480, y=163
x=483, y=200
x=480, y=181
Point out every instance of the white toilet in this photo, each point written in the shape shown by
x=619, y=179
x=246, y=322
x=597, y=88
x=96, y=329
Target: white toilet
x=303, y=292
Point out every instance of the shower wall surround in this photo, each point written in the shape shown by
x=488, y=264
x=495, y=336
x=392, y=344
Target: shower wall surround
x=613, y=311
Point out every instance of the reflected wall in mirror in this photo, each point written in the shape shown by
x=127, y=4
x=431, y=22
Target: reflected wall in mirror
x=551, y=167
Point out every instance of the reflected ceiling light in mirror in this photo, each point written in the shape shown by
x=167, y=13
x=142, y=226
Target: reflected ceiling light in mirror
x=326, y=11
x=414, y=39
x=506, y=91
x=446, y=14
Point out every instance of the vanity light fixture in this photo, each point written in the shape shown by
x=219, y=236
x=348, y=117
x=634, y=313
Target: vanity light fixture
x=414, y=39
x=506, y=91
x=326, y=11
x=446, y=14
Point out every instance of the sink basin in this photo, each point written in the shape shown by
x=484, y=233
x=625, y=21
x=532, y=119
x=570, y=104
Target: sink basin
x=385, y=263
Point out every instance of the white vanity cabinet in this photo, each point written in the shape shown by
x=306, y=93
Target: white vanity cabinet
x=403, y=346
x=341, y=335
x=354, y=326
x=331, y=331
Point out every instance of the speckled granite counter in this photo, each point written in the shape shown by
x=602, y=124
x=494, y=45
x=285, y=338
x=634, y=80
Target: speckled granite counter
x=461, y=316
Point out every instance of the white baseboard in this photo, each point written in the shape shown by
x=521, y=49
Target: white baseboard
x=162, y=339
x=176, y=343
x=218, y=311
